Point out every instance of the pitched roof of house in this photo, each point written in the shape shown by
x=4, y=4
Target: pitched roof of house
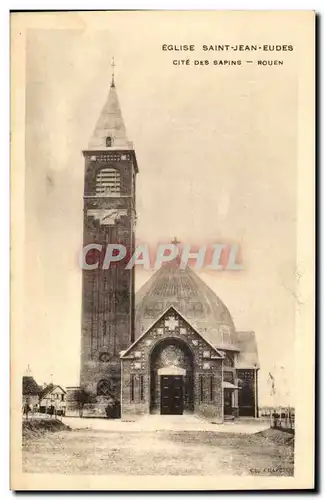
x=30, y=387
x=50, y=388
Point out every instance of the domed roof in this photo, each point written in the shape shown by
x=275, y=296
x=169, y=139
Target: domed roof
x=184, y=290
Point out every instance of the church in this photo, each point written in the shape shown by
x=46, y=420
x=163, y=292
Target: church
x=172, y=348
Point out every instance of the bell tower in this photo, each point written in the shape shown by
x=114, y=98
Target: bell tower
x=109, y=219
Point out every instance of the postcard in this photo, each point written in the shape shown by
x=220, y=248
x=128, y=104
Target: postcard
x=162, y=250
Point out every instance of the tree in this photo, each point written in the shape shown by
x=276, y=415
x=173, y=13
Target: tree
x=83, y=397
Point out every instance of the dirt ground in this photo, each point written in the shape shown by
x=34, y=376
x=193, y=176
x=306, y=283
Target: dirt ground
x=88, y=451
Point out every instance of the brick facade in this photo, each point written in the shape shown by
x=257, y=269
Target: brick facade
x=207, y=362
x=108, y=294
x=139, y=396
x=247, y=396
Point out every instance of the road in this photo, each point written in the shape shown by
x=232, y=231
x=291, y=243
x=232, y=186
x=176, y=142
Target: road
x=162, y=452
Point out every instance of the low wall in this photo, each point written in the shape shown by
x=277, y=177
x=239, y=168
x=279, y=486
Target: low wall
x=210, y=411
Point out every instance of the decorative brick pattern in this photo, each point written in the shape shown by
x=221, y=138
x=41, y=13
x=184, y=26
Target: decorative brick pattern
x=109, y=157
x=159, y=347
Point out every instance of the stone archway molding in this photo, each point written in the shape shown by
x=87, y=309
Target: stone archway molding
x=171, y=370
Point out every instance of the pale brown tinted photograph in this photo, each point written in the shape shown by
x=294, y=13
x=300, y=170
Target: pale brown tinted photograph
x=162, y=250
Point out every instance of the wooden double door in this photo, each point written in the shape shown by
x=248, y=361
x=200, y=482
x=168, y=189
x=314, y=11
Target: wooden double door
x=171, y=394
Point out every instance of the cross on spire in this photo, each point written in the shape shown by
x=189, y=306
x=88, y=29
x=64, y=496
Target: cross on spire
x=175, y=241
x=110, y=123
x=113, y=72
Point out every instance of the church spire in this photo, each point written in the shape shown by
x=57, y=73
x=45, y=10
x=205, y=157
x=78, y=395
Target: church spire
x=113, y=72
x=110, y=132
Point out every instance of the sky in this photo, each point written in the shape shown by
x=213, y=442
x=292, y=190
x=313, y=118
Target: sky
x=217, y=154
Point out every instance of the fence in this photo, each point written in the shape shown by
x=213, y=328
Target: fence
x=280, y=417
x=38, y=413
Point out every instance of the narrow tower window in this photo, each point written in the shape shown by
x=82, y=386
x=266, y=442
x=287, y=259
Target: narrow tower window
x=141, y=388
x=132, y=387
x=108, y=182
x=108, y=142
x=201, y=389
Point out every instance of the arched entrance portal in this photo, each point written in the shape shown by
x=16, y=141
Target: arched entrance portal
x=171, y=378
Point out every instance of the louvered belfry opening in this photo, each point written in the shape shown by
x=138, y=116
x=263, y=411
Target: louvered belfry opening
x=108, y=182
